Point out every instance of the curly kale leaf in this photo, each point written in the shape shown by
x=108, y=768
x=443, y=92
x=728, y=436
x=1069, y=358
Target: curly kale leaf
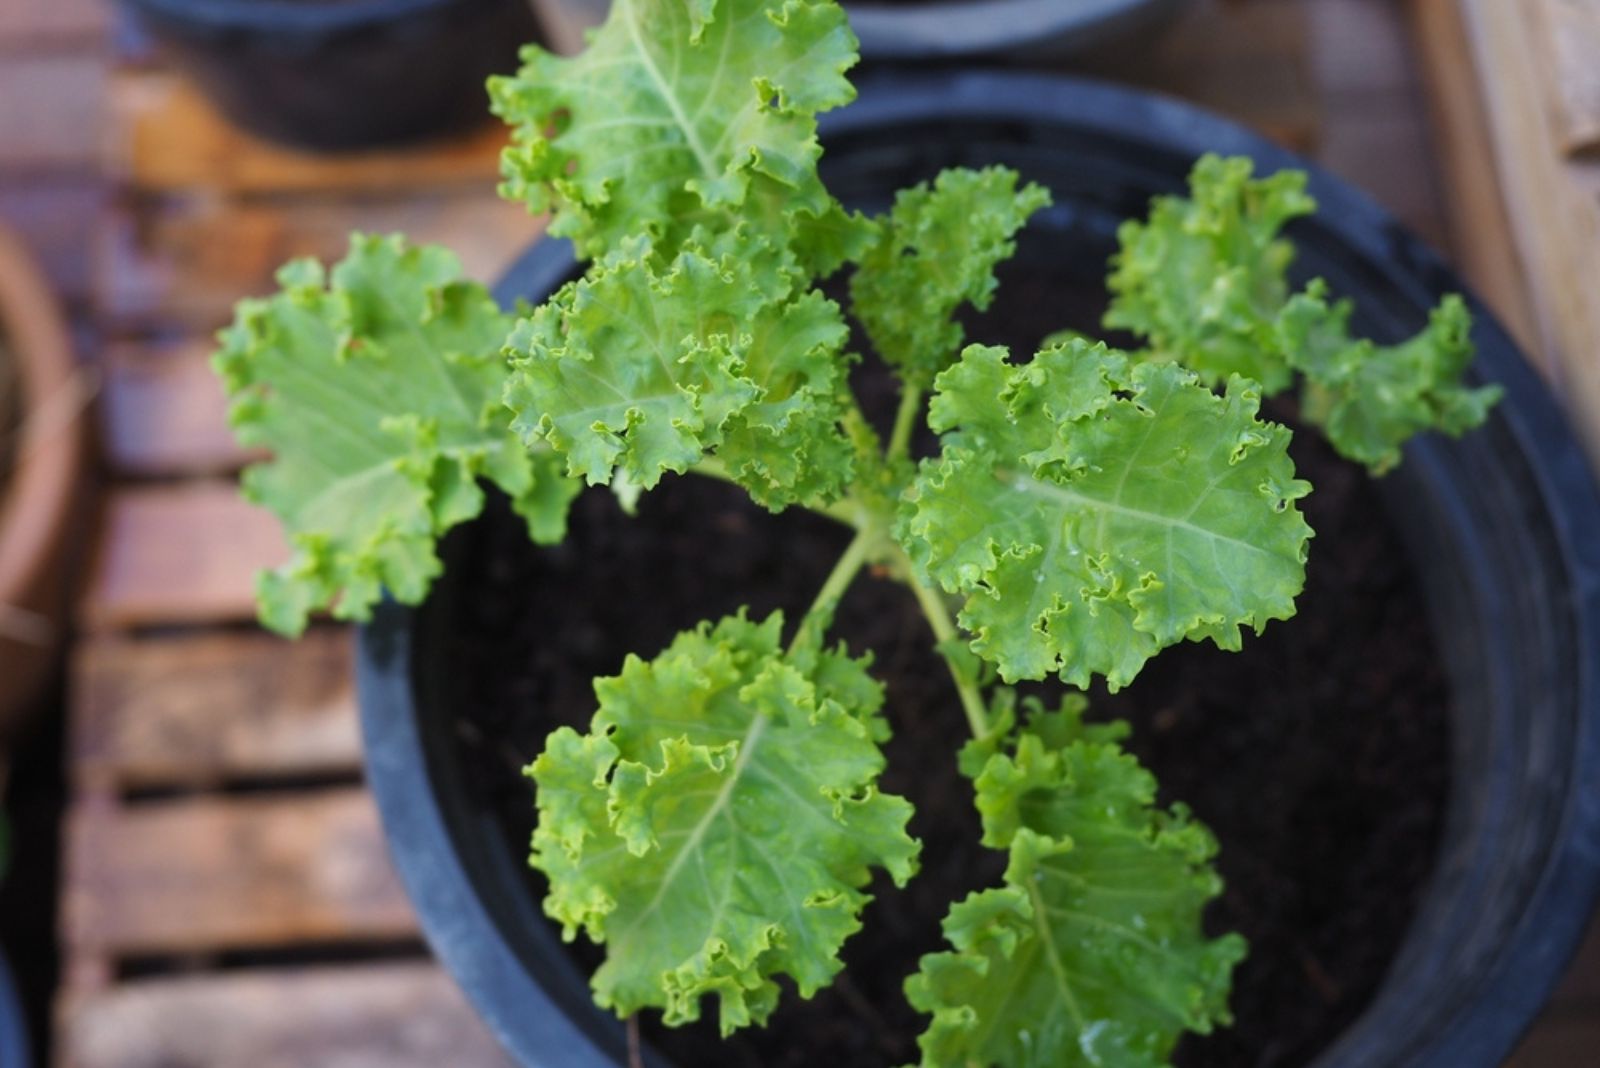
x=378, y=394
x=1370, y=399
x=1096, y=511
x=678, y=116
x=642, y=367
x=1203, y=281
x=936, y=251
x=1092, y=953
x=717, y=825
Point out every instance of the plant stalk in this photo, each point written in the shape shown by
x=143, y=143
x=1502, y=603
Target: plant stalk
x=834, y=587
x=905, y=421
x=944, y=632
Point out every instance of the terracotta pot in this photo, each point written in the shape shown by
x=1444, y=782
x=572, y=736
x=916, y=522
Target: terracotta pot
x=37, y=495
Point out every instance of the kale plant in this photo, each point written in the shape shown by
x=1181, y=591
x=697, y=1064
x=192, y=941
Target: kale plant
x=716, y=827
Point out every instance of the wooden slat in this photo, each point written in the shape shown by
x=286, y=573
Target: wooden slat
x=1570, y=45
x=34, y=23
x=57, y=216
x=163, y=412
x=1374, y=129
x=65, y=134
x=367, y=1016
x=1247, y=61
x=179, y=554
x=209, y=873
x=1481, y=242
x=1555, y=220
x=167, y=137
x=202, y=709
x=167, y=264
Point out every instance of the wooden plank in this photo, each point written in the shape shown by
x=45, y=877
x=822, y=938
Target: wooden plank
x=163, y=412
x=167, y=138
x=203, y=709
x=1247, y=61
x=1555, y=222
x=209, y=873
x=363, y=1016
x=179, y=554
x=1480, y=240
x=51, y=111
x=1374, y=130
x=1560, y=1041
x=57, y=215
x=1569, y=42
x=35, y=23
x=185, y=263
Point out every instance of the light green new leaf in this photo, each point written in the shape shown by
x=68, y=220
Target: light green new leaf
x=717, y=825
x=1370, y=399
x=682, y=115
x=1204, y=282
x=1092, y=954
x=937, y=251
x=639, y=368
x=1203, y=279
x=1095, y=512
x=379, y=398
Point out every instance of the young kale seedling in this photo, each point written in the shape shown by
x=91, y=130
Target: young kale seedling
x=717, y=825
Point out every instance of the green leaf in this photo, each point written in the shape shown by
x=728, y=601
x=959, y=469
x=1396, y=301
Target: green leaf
x=681, y=116
x=1370, y=399
x=639, y=369
x=1096, y=512
x=937, y=251
x=1203, y=279
x=717, y=825
x=1204, y=282
x=379, y=398
x=1092, y=953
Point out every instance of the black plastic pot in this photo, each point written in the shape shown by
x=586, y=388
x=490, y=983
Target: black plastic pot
x=1015, y=30
x=348, y=74
x=13, y=1025
x=1501, y=526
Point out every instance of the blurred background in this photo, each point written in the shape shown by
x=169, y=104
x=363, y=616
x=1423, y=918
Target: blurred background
x=194, y=868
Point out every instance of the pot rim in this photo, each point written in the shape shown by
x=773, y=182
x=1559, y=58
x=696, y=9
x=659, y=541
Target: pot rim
x=1554, y=914
x=294, y=17
x=967, y=28
x=13, y=1039
x=36, y=500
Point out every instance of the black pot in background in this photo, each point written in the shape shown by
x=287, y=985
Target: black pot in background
x=1501, y=527
x=13, y=1024
x=934, y=30
x=349, y=74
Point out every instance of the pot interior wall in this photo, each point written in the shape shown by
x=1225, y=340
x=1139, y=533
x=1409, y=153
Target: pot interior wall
x=1509, y=598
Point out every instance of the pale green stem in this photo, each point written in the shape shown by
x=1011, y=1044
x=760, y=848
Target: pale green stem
x=905, y=421
x=837, y=582
x=944, y=632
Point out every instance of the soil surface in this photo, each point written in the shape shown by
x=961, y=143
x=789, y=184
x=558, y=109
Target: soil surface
x=1319, y=755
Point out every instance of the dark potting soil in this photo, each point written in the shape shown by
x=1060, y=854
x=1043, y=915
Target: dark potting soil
x=1319, y=755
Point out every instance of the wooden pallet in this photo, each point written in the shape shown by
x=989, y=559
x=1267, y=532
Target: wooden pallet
x=1516, y=91
x=227, y=898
